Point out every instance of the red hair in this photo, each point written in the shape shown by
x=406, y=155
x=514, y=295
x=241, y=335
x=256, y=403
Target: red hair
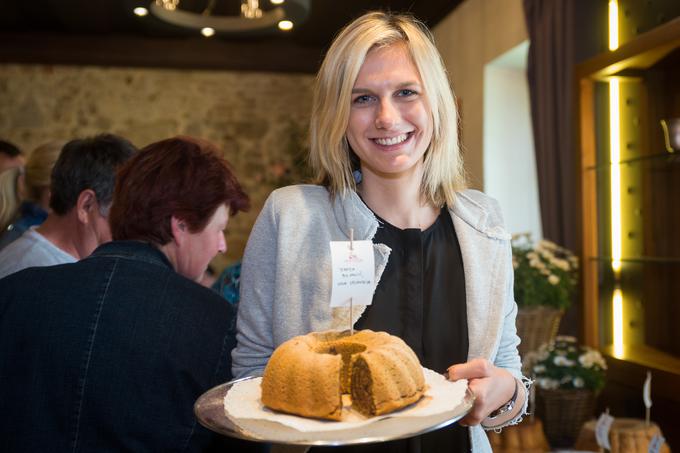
x=182, y=177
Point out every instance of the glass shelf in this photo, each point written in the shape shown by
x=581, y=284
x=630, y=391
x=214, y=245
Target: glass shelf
x=670, y=158
x=638, y=259
x=647, y=294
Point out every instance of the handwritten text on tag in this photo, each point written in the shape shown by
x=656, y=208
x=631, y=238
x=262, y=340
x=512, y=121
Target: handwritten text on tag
x=353, y=273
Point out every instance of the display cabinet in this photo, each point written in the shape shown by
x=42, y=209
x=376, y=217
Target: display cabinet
x=630, y=186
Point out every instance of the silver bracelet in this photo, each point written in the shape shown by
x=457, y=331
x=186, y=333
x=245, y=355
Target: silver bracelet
x=507, y=407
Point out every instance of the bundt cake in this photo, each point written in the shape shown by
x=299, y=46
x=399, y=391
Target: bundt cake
x=308, y=374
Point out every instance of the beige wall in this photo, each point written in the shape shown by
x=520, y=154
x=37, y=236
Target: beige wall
x=256, y=118
x=471, y=36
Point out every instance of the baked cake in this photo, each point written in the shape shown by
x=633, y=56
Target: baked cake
x=308, y=374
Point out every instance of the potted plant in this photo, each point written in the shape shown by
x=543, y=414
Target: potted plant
x=567, y=377
x=546, y=276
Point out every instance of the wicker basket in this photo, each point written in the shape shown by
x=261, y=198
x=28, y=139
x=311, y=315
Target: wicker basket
x=537, y=325
x=563, y=413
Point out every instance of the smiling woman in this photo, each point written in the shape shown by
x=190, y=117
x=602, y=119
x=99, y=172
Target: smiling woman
x=384, y=147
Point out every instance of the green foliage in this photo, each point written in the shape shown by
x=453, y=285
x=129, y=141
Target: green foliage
x=564, y=364
x=545, y=274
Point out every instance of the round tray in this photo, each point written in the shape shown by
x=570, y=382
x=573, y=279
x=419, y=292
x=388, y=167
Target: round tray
x=209, y=410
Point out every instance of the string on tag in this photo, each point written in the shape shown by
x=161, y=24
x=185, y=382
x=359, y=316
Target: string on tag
x=351, y=248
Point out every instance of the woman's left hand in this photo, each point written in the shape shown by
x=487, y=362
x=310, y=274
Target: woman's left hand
x=492, y=387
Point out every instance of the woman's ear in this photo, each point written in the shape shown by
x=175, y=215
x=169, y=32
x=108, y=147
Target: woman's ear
x=179, y=229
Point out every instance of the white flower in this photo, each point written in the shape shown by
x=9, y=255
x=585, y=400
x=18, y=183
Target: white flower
x=554, y=279
x=601, y=362
x=548, y=383
x=560, y=360
x=578, y=382
x=560, y=264
x=545, y=244
x=538, y=369
x=548, y=255
x=590, y=358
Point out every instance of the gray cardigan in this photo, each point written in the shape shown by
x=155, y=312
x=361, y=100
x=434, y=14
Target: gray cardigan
x=286, y=276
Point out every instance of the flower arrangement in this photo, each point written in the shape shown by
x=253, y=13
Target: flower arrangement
x=564, y=364
x=545, y=274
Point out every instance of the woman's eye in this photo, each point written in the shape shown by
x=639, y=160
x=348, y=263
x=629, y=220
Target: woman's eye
x=364, y=98
x=406, y=92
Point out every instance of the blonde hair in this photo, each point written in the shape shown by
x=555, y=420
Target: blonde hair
x=39, y=168
x=28, y=182
x=9, y=195
x=330, y=154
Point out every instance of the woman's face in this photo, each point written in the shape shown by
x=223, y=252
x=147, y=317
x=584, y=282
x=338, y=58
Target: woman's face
x=390, y=121
x=197, y=249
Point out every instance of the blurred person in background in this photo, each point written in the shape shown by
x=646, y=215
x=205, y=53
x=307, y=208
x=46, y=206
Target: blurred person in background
x=110, y=353
x=81, y=188
x=10, y=156
x=27, y=192
x=10, y=199
x=11, y=163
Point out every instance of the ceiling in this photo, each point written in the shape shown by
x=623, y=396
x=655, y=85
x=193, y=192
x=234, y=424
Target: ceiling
x=106, y=32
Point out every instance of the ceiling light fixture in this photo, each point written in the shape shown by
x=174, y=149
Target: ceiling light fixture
x=285, y=25
x=140, y=11
x=253, y=19
x=207, y=32
x=250, y=9
x=170, y=5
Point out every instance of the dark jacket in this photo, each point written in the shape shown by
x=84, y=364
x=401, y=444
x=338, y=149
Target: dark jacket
x=109, y=354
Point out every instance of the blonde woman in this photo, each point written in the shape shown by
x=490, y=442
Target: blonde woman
x=29, y=189
x=9, y=195
x=384, y=147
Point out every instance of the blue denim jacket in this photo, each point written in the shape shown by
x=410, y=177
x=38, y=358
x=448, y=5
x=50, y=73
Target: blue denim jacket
x=110, y=354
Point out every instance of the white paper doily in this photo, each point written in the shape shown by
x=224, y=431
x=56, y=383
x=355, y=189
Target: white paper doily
x=442, y=395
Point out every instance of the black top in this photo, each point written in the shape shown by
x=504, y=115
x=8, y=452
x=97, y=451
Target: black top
x=421, y=298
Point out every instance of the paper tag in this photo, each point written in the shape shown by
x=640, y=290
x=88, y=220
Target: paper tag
x=604, y=423
x=353, y=273
x=656, y=443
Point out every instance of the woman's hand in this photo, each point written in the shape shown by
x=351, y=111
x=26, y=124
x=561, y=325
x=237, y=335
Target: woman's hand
x=492, y=387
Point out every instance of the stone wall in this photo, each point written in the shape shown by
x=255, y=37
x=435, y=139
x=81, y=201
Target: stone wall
x=258, y=119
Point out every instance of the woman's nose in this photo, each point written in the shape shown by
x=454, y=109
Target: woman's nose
x=386, y=116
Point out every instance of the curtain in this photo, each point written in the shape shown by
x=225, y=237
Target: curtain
x=550, y=72
x=552, y=88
